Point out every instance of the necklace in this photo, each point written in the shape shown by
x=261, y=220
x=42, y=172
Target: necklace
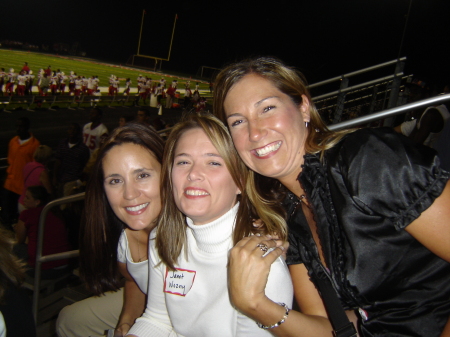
x=304, y=201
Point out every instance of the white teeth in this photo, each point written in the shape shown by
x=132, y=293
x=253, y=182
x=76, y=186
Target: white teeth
x=196, y=192
x=137, y=208
x=267, y=149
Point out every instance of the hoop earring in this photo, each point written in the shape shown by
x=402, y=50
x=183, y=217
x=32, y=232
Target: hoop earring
x=306, y=124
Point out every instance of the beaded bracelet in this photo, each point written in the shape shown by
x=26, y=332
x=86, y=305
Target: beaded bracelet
x=277, y=323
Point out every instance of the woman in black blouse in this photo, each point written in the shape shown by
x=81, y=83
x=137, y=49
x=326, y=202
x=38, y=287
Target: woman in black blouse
x=366, y=209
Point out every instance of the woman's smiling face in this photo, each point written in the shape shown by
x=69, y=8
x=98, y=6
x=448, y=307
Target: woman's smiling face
x=202, y=185
x=132, y=177
x=267, y=127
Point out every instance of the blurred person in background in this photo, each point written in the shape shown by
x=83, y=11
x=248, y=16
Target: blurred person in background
x=20, y=152
x=35, y=173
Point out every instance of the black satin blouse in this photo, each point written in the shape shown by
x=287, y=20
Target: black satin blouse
x=368, y=189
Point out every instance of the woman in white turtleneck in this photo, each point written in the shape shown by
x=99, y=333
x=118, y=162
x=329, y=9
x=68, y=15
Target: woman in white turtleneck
x=206, y=210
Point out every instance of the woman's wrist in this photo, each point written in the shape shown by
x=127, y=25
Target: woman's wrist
x=120, y=324
x=268, y=313
x=278, y=323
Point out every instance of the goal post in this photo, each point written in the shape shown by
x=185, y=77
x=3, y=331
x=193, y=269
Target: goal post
x=209, y=73
x=145, y=61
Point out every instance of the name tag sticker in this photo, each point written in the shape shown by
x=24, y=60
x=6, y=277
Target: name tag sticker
x=179, y=282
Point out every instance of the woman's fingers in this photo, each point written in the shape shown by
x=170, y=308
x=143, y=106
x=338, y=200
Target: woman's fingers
x=249, y=267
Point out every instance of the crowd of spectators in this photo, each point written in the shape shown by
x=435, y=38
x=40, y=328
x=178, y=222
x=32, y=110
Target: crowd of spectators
x=19, y=45
x=56, y=47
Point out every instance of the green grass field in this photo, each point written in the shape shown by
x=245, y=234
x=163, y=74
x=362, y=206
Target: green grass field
x=86, y=67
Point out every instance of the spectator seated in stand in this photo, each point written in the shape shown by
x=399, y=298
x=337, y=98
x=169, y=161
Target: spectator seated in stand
x=55, y=234
x=36, y=173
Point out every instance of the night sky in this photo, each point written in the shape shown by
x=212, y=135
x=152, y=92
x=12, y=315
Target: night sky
x=323, y=38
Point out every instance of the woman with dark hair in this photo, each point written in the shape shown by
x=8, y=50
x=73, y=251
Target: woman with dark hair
x=366, y=209
x=206, y=210
x=122, y=203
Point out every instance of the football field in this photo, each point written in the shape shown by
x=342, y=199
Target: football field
x=86, y=67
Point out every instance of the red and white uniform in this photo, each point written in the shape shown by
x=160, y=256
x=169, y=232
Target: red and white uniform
x=92, y=137
x=9, y=88
x=29, y=83
x=2, y=80
x=84, y=83
x=72, y=78
x=78, y=86
x=21, y=82
x=114, y=86
x=148, y=88
x=91, y=86
x=144, y=91
x=140, y=81
x=201, y=105
x=95, y=81
x=40, y=76
x=54, y=82
x=62, y=83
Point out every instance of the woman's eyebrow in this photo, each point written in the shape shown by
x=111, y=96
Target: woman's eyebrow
x=237, y=114
x=264, y=99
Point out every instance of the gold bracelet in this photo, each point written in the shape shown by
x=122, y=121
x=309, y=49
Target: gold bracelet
x=277, y=323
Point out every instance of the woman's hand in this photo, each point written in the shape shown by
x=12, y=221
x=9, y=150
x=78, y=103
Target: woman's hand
x=122, y=330
x=249, y=268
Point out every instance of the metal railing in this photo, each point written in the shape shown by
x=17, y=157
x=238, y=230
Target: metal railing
x=389, y=112
x=358, y=72
x=40, y=241
x=339, y=96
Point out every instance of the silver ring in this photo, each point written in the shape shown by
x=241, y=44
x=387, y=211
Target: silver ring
x=263, y=247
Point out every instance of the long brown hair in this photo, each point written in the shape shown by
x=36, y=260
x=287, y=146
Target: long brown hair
x=171, y=230
x=101, y=228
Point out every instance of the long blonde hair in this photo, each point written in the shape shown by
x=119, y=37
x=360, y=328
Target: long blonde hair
x=171, y=230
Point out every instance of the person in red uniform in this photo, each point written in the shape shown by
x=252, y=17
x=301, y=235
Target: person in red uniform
x=25, y=68
x=11, y=79
x=54, y=81
x=21, y=83
x=48, y=71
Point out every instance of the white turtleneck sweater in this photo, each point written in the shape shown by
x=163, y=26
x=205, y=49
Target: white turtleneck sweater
x=194, y=301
